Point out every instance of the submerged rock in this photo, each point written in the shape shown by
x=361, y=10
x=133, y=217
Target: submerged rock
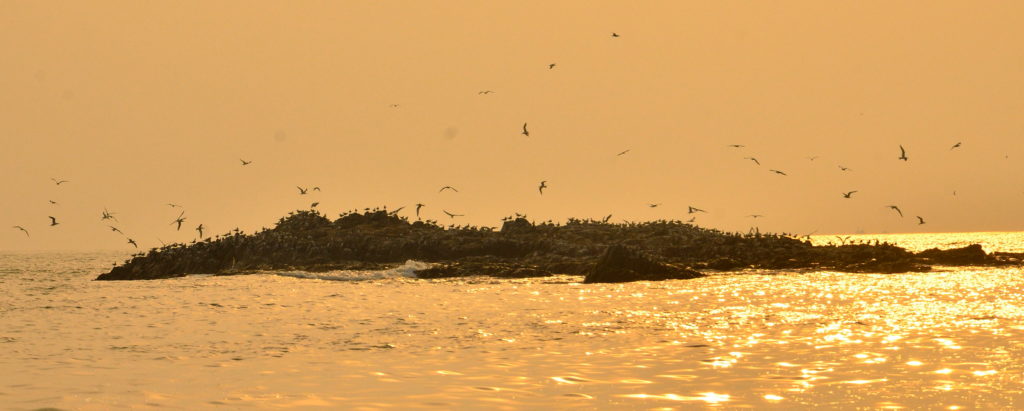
x=972, y=254
x=622, y=264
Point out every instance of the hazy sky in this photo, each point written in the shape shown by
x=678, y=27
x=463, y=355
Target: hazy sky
x=143, y=103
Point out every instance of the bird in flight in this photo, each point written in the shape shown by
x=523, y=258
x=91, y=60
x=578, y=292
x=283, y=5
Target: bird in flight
x=317, y=188
x=172, y=205
x=692, y=209
x=920, y=220
x=485, y=92
x=849, y=193
x=315, y=203
x=115, y=229
x=614, y=34
x=22, y=229
x=525, y=131
x=755, y=216
x=606, y=218
x=903, y=154
x=108, y=215
x=778, y=172
x=551, y=66
x=53, y=221
x=245, y=163
x=543, y=185
x=132, y=242
x=179, y=220
x=59, y=182
x=752, y=159
x=452, y=215
x=736, y=145
x=841, y=168
x=812, y=158
x=200, y=230
x=447, y=188
x=395, y=211
x=653, y=205
x=897, y=209
x=53, y=202
x=394, y=106
x=957, y=145
x=418, y=207
x=692, y=219
x=302, y=191
x=624, y=152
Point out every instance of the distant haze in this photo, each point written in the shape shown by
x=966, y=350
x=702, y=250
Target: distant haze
x=140, y=104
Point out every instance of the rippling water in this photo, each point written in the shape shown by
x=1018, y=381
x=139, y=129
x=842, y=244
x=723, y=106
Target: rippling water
x=941, y=340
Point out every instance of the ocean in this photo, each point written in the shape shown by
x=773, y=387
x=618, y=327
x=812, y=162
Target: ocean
x=948, y=339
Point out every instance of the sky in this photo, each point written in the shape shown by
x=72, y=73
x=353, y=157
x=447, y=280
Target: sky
x=140, y=104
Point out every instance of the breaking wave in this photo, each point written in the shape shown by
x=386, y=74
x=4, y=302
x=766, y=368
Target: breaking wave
x=407, y=270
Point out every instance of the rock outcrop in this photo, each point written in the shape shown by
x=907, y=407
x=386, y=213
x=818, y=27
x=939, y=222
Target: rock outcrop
x=621, y=264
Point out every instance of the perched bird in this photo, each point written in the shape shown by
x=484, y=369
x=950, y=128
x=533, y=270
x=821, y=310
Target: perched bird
x=903, y=154
x=920, y=220
x=302, y=191
x=606, y=218
x=848, y=194
x=447, y=188
x=957, y=145
x=200, y=230
x=736, y=145
x=653, y=205
x=692, y=209
x=543, y=185
x=778, y=172
x=59, y=182
x=22, y=229
x=53, y=221
x=179, y=220
x=692, y=219
x=132, y=242
x=525, y=131
x=551, y=66
x=418, y=207
x=624, y=152
x=395, y=211
x=115, y=229
x=752, y=159
x=245, y=163
x=452, y=215
x=897, y=210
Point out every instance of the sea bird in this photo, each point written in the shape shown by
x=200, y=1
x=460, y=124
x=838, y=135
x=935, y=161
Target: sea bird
x=623, y=152
x=778, y=172
x=53, y=202
x=22, y=229
x=755, y=216
x=752, y=159
x=841, y=168
x=525, y=131
x=543, y=185
x=897, y=210
x=903, y=154
x=653, y=205
x=849, y=193
x=692, y=209
x=315, y=203
x=485, y=92
x=317, y=188
x=132, y=242
x=812, y=158
x=302, y=191
x=172, y=205
x=59, y=182
x=418, y=207
x=53, y=221
x=447, y=188
x=736, y=145
x=179, y=220
x=108, y=215
x=115, y=229
x=920, y=220
x=452, y=215
x=245, y=163
x=200, y=230
x=551, y=66
x=957, y=145
x=614, y=34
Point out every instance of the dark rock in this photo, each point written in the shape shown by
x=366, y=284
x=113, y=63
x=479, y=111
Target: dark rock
x=972, y=254
x=887, y=267
x=622, y=264
x=519, y=225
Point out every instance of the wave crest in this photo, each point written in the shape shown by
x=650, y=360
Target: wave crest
x=407, y=270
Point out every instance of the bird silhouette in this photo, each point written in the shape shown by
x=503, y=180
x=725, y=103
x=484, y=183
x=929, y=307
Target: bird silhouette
x=897, y=210
x=614, y=34
x=957, y=145
x=848, y=194
x=59, y=182
x=606, y=218
x=543, y=185
x=22, y=229
x=108, y=215
x=245, y=163
x=653, y=205
x=181, y=219
x=447, y=188
x=485, y=92
x=551, y=66
x=315, y=203
x=841, y=168
x=812, y=158
x=172, y=205
x=778, y=172
x=736, y=145
x=53, y=202
x=755, y=216
x=692, y=209
x=395, y=211
x=317, y=188
x=302, y=191
x=903, y=154
x=452, y=215
x=115, y=229
x=920, y=220
x=132, y=242
x=53, y=221
x=752, y=159
x=621, y=153
x=418, y=207
x=199, y=228
x=525, y=131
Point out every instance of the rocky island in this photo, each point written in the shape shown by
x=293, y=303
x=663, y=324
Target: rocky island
x=604, y=252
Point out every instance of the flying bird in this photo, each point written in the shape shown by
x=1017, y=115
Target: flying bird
x=452, y=215
x=115, y=229
x=59, y=182
x=957, y=145
x=755, y=216
x=245, y=163
x=108, y=215
x=897, y=210
x=812, y=158
x=778, y=172
x=849, y=193
x=653, y=205
x=302, y=191
x=525, y=131
x=22, y=229
x=447, y=188
x=903, y=154
x=395, y=211
x=614, y=34
x=752, y=159
x=418, y=207
x=172, y=205
x=543, y=185
x=53, y=202
x=200, y=230
x=551, y=66
x=736, y=145
x=179, y=220
x=624, y=152
x=317, y=188
x=841, y=168
x=316, y=203
x=53, y=221
x=920, y=220
x=692, y=209
x=132, y=242
x=606, y=218
x=485, y=92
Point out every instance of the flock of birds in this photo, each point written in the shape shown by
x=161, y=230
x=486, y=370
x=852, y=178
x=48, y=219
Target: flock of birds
x=179, y=221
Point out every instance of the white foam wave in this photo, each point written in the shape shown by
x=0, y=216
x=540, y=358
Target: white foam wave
x=406, y=270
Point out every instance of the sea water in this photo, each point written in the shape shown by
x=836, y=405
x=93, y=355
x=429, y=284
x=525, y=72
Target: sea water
x=948, y=339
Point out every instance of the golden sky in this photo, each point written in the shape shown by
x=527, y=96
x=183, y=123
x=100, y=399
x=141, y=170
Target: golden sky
x=140, y=104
